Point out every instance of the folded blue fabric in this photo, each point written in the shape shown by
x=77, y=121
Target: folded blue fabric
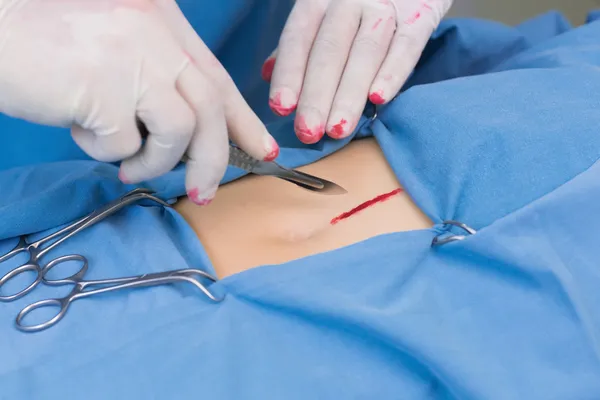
x=497, y=128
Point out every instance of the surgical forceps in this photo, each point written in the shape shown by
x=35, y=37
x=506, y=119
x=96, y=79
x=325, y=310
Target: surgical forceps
x=36, y=251
x=240, y=159
x=104, y=286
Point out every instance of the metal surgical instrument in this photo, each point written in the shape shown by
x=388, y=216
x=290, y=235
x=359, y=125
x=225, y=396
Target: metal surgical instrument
x=36, y=251
x=240, y=159
x=80, y=291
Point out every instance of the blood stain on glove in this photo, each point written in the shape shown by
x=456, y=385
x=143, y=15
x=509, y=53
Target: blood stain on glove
x=274, y=151
x=337, y=131
x=306, y=134
x=267, y=69
x=278, y=108
x=424, y=7
x=193, y=195
x=377, y=23
x=377, y=97
x=413, y=19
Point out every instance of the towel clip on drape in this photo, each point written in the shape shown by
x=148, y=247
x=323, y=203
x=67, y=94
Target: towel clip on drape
x=447, y=225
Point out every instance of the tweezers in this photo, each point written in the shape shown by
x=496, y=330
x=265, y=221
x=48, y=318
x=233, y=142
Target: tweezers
x=240, y=159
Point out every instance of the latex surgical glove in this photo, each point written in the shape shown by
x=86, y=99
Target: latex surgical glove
x=333, y=55
x=96, y=65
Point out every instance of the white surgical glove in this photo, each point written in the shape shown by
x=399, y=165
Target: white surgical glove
x=334, y=54
x=96, y=65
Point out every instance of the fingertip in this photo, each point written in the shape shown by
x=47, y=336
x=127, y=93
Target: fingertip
x=377, y=97
x=339, y=130
x=307, y=131
x=271, y=147
x=283, y=102
x=201, y=200
x=123, y=178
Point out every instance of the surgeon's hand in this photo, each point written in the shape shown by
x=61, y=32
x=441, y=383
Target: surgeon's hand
x=96, y=65
x=334, y=54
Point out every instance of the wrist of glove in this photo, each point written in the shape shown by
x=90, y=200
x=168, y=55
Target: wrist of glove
x=333, y=55
x=96, y=66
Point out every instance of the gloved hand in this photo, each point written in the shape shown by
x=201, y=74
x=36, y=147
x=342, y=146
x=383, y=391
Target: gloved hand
x=334, y=54
x=94, y=65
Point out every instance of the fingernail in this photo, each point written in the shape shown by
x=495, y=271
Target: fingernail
x=283, y=102
x=377, y=97
x=271, y=147
x=267, y=69
x=122, y=177
x=309, y=127
x=194, y=196
x=339, y=130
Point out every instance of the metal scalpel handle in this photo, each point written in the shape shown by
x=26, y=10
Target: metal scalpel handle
x=240, y=159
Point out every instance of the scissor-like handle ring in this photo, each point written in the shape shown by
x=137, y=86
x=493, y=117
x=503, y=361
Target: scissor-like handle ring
x=61, y=304
x=77, y=276
x=16, y=272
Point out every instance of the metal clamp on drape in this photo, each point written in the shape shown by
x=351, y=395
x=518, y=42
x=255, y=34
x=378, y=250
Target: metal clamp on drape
x=447, y=237
x=370, y=111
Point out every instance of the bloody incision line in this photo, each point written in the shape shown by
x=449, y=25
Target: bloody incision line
x=366, y=204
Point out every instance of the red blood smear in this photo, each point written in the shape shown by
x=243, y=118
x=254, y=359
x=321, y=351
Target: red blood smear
x=193, y=196
x=377, y=97
x=337, y=131
x=278, y=108
x=379, y=199
x=267, y=69
x=306, y=134
x=413, y=19
x=377, y=23
x=273, y=154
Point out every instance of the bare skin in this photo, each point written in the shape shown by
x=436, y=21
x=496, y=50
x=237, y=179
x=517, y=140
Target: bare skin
x=260, y=220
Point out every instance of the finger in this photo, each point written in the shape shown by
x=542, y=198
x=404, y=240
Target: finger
x=244, y=126
x=267, y=69
x=108, y=143
x=208, y=152
x=294, y=47
x=415, y=26
x=325, y=67
x=171, y=123
x=367, y=54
